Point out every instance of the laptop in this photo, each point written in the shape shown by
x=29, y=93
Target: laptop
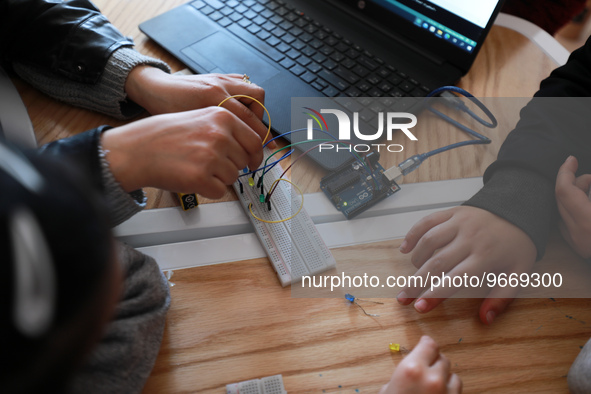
x=328, y=48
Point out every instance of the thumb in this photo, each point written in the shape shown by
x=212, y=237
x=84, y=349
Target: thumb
x=571, y=164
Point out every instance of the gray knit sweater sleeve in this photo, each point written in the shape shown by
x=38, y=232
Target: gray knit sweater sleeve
x=107, y=96
x=122, y=205
x=123, y=359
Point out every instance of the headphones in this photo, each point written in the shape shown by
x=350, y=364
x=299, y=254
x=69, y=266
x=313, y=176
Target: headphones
x=34, y=275
x=35, y=285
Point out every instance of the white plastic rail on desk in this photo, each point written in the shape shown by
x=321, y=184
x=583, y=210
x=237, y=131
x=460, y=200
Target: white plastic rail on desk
x=221, y=232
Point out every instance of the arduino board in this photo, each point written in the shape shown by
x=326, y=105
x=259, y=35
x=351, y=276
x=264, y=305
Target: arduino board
x=357, y=186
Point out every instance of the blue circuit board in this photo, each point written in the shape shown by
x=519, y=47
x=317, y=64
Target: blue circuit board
x=355, y=187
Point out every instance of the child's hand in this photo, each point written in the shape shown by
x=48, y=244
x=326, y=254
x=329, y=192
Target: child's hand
x=471, y=241
x=423, y=370
x=574, y=207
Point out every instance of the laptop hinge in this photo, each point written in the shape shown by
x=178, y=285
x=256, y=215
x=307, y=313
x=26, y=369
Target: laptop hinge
x=399, y=39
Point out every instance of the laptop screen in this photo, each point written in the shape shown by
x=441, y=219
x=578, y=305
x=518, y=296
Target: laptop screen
x=451, y=30
x=459, y=22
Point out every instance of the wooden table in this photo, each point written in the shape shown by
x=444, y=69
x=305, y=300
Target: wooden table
x=233, y=322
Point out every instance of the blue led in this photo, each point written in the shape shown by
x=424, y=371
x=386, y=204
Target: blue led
x=349, y=297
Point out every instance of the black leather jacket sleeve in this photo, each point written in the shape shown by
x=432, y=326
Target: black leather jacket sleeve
x=71, y=38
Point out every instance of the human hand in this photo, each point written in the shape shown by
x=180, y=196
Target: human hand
x=198, y=151
x=466, y=240
x=574, y=207
x=423, y=370
x=159, y=92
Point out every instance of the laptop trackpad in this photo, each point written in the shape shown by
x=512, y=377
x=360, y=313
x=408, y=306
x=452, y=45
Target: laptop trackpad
x=221, y=53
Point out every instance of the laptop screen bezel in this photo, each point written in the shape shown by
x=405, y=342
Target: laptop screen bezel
x=425, y=40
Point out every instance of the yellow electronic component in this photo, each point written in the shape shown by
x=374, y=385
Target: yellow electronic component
x=394, y=347
x=188, y=201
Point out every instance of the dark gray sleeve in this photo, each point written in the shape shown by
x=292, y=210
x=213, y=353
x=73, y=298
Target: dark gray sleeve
x=519, y=185
x=524, y=198
x=123, y=359
x=122, y=205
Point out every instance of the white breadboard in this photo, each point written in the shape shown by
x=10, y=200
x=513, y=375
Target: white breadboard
x=294, y=246
x=269, y=385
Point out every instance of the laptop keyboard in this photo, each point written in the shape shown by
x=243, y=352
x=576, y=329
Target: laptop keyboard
x=320, y=57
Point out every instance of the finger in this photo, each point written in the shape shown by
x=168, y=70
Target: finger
x=443, y=286
x=243, y=86
x=495, y=303
x=239, y=86
x=443, y=261
x=570, y=195
x=248, y=117
x=574, y=207
x=226, y=171
x=454, y=385
x=583, y=182
x=425, y=353
x=567, y=191
x=250, y=142
x=566, y=234
x=213, y=189
x=257, y=93
x=442, y=366
x=384, y=389
x=434, y=239
x=421, y=227
x=237, y=155
x=234, y=75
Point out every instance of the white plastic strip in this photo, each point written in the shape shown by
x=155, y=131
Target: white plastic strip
x=208, y=221
x=538, y=36
x=247, y=246
x=390, y=219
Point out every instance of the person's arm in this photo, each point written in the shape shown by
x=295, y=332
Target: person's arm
x=69, y=38
x=505, y=226
x=107, y=96
x=198, y=151
x=84, y=150
x=70, y=51
x=572, y=196
x=519, y=185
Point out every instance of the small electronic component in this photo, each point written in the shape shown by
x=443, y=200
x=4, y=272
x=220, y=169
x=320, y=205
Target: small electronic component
x=355, y=187
x=394, y=347
x=188, y=201
x=353, y=300
x=269, y=385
